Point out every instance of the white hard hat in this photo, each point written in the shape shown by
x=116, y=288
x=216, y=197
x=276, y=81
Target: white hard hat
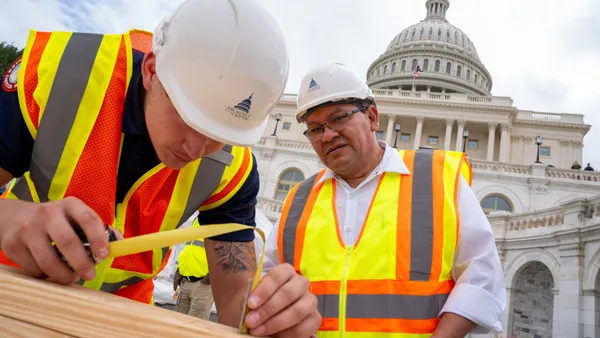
x=331, y=82
x=224, y=64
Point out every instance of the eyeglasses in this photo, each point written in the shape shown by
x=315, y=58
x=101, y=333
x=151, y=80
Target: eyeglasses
x=336, y=123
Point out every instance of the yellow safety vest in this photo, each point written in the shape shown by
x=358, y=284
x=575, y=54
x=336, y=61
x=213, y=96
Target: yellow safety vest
x=394, y=281
x=192, y=260
x=72, y=88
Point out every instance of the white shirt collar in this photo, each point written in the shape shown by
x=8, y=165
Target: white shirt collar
x=391, y=162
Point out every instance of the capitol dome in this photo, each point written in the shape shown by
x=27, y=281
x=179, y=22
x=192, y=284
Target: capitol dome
x=446, y=57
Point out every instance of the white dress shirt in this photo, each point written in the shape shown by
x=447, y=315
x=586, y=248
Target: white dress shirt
x=479, y=294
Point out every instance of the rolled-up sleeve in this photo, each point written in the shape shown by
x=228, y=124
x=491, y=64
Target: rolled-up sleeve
x=480, y=291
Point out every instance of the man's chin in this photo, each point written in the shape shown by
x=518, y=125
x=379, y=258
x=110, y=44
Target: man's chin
x=171, y=162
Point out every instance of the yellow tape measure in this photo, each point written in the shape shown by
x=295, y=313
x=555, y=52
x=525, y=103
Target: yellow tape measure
x=164, y=239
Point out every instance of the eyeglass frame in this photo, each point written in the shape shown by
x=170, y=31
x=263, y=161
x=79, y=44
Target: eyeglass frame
x=322, y=126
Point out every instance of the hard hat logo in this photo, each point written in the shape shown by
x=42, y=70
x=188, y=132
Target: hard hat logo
x=313, y=85
x=242, y=109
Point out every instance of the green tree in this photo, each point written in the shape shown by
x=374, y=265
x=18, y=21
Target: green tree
x=8, y=54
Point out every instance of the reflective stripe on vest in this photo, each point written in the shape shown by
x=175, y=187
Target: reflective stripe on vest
x=397, y=276
x=76, y=123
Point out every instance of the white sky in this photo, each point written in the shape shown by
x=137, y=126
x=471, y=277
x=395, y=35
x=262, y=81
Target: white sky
x=544, y=54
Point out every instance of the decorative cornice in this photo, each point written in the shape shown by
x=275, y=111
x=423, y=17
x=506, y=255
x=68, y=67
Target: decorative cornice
x=556, y=124
x=479, y=108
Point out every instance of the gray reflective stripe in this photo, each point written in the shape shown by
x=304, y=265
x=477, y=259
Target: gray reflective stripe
x=293, y=218
x=65, y=97
x=329, y=305
x=196, y=242
x=113, y=287
x=21, y=190
x=421, y=249
x=224, y=156
x=383, y=306
x=208, y=177
x=394, y=306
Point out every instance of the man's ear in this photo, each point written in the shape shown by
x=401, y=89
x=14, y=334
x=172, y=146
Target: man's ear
x=373, y=115
x=149, y=69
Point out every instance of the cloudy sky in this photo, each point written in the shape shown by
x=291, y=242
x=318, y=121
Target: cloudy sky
x=545, y=54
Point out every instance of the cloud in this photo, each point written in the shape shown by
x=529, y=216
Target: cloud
x=544, y=54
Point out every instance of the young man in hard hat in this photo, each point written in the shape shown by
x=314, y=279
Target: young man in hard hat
x=138, y=131
x=394, y=242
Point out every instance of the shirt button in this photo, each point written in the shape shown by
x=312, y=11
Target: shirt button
x=351, y=196
x=348, y=230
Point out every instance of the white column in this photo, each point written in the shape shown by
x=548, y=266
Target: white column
x=390, y=131
x=448, y=137
x=491, y=139
x=418, y=132
x=568, y=298
x=459, y=135
x=504, y=144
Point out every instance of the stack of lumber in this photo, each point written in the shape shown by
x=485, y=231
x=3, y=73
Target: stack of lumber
x=31, y=307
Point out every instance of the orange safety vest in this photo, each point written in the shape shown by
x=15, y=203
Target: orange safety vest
x=72, y=89
x=394, y=281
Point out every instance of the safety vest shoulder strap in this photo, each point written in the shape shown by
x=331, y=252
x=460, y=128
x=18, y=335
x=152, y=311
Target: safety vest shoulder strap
x=300, y=197
x=240, y=162
x=459, y=157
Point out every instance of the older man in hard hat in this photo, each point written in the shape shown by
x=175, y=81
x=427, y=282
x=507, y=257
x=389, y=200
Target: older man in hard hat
x=138, y=131
x=394, y=242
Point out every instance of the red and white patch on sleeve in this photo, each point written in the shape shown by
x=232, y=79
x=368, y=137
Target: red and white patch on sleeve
x=9, y=81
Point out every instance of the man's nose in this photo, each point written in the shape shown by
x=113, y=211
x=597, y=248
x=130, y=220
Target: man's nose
x=329, y=134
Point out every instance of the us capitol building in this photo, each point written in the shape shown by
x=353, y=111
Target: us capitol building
x=545, y=216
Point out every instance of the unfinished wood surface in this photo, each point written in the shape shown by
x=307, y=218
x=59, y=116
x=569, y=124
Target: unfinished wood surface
x=80, y=312
x=10, y=328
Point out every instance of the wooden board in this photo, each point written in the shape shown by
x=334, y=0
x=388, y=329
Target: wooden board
x=29, y=306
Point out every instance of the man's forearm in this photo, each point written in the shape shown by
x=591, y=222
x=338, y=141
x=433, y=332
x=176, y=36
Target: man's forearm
x=453, y=326
x=231, y=265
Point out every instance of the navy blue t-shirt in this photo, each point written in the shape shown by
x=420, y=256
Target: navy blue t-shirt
x=138, y=156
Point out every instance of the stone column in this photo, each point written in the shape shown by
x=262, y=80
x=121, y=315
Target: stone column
x=420, y=120
x=491, y=140
x=567, y=321
x=504, y=143
x=390, y=130
x=448, y=137
x=517, y=150
x=459, y=134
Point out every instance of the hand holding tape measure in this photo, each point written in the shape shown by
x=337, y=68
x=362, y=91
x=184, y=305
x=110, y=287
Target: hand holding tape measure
x=287, y=282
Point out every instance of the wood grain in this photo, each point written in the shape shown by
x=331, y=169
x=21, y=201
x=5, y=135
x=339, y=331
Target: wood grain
x=80, y=312
x=10, y=328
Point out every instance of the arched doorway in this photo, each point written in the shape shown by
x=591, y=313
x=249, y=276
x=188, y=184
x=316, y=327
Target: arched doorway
x=533, y=302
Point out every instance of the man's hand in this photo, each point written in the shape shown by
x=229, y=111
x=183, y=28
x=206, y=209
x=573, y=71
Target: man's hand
x=282, y=306
x=177, y=280
x=27, y=230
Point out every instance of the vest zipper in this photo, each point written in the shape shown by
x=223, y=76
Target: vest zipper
x=343, y=291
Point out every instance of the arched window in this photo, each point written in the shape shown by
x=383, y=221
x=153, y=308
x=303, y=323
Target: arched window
x=468, y=75
x=437, y=66
x=459, y=71
x=430, y=31
x=385, y=69
x=448, y=68
x=422, y=31
x=496, y=202
x=403, y=66
x=425, y=65
x=414, y=32
x=288, y=179
x=393, y=67
x=414, y=64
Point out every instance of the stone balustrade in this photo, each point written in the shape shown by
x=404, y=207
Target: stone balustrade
x=271, y=207
x=500, y=167
x=570, y=174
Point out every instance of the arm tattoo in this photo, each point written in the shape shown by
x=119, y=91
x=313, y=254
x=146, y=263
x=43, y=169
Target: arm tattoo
x=235, y=256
